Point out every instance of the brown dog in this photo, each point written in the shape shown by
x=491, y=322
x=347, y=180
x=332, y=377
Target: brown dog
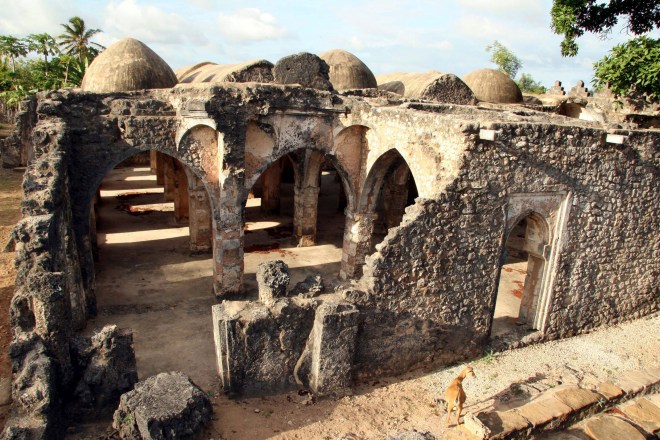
x=455, y=396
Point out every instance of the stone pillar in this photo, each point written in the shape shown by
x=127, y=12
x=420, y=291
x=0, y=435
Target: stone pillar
x=270, y=189
x=333, y=341
x=395, y=199
x=181, y=199
x=153, y=161
x=531, y=290
x=160, y=168
x=305, y=214
x=228, y=250
x=199, y=216
x=357, y=243
x=168, y=178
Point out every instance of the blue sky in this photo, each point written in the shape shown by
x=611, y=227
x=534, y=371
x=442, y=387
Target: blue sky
x=388, y=35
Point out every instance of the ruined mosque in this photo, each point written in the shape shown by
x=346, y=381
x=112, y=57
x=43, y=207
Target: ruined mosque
x=324, y=225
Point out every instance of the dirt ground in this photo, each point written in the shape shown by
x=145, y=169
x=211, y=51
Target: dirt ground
x=377, y=408
x=10, y=199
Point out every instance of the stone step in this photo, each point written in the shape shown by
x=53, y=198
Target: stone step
x=559, y=407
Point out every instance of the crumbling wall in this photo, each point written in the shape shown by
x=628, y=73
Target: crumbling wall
x=433, y=283
x=49, y=302
x=16, y=150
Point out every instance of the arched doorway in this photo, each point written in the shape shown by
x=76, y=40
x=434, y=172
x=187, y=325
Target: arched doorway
x=150, y=275
x=388, y=190
x=295, y=213
x=521, y=278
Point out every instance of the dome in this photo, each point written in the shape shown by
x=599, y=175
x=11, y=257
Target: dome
x=347, y=71
x=127, y=65
x=432, y=86
x=207, y=72
x=491, y=85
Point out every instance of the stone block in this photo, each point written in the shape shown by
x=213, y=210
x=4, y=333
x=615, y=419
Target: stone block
x=273, y=278
x=332, y=347
x=412, y=435
x=634, y=382
x=305, y=69
x=577, y=398
x=497, y=424
x=644, y=413
x=165, y=406
x=545, y=412
x=106, y=368
x=308, y=288
x=605, y=427
x=609, y=391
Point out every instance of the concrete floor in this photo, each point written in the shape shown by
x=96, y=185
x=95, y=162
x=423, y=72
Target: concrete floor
x=509, y=293
x=147, y=279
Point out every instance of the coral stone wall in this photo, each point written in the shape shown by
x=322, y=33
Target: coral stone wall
x=433, y=283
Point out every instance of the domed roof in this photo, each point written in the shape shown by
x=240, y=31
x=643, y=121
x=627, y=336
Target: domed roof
x=256, y=71
x=347, y=71
x=432, y=85
x=127, y=65
x=491, y=85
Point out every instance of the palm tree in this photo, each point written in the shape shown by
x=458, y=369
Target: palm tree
x=76, y=40
x=13, y=48
x=43, y=44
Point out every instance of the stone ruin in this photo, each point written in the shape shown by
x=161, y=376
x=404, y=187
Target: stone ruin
x=576, y=199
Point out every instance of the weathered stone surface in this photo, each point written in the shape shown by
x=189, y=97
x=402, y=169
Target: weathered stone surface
x=576, y=398
x=412, y=435
x=258, y=345
x=35, y=381
x=107, y=369
x=308, y=288
x=165, y=406
x=432, y=86
x=497, y=424
x=633, y=382
x=326, y=363
x=609, y=391
x=644, y=413
x=305, y=69
x=5, y=391
x=273, y=279
x=606, y=427
x=546, y=411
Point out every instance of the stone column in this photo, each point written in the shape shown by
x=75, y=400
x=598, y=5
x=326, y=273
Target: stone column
x=305, y=214
x=199, y=215
x=228, y=248
x=270, y=189
x=357, y=243
x=160, y=168
x=181, y=199
x=168, y=178
x=153, y=161
x=395, y=200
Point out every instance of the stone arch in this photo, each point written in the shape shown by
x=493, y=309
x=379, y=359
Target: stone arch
x=361, y=226
x=317, y=157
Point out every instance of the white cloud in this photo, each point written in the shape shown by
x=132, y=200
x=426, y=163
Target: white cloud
x=250, y=24
x=19, y=18
x=150, y=24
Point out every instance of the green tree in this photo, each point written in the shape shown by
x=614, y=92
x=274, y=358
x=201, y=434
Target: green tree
x=76, y=40
x=13, y=48
x=572, y=18
x=527, y=84
x=631, y=68
x=505, y=60
x=44, y=44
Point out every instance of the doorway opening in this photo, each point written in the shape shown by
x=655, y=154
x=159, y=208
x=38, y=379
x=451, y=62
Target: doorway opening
x=148, y=276
x=521, y=279
x=295, y=213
